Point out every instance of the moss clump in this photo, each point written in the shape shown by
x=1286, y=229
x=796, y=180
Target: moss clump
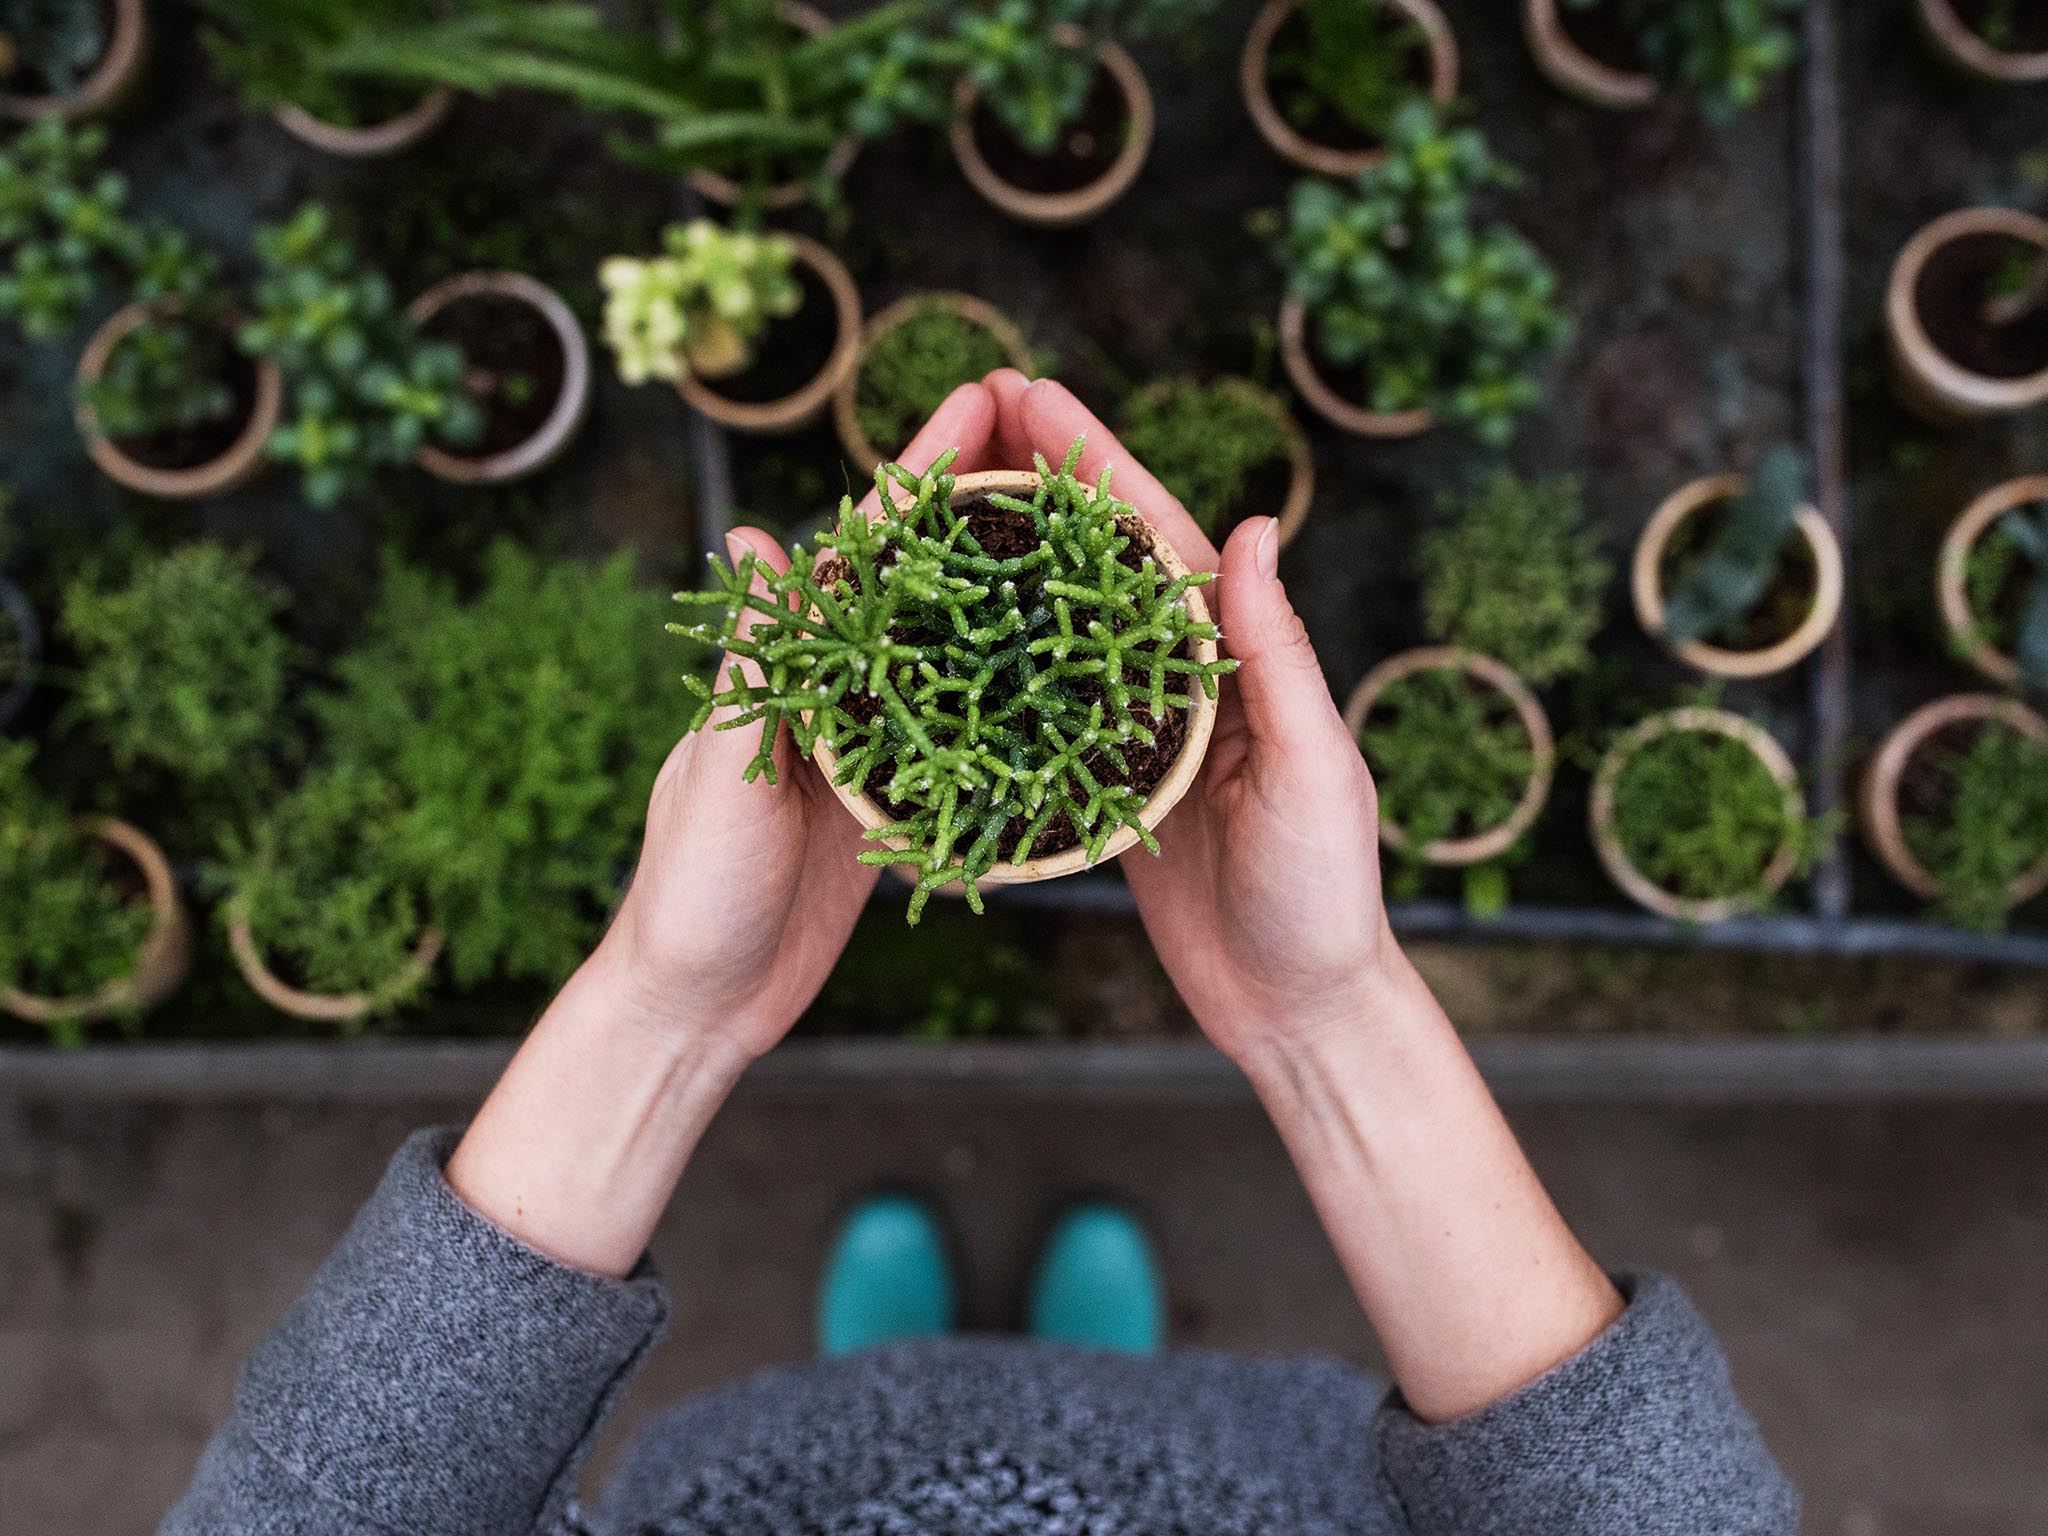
x=913, y=366
x=1699, y=815
x=1204, y=441
x=1991, y=826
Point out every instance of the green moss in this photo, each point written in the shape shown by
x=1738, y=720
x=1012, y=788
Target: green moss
x=1699, y=814
x=1203, y=441
x=913, y=367
x=1449, y=755
x=1992, y=826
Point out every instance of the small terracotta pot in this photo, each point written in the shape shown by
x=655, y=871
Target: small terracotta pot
x=1879, y=801
x=374, y=141
x=1576, y=72
x=717, y=188
x=161, y=964
x=975, y=311
x=571, y=405
x=1646, y=584
x=1282, y=135
x=1165, y=794
x=1968, y=50
x=798, y=409
x=111, y=80
x=1952, y=573
x=19, y=614
x=1301, y=462
x=1058, y=209
x=1637, y=886
x=1497, y=675
x=241, y=462
x=1325, y=401
x=1929, y=382
x=318, y=1007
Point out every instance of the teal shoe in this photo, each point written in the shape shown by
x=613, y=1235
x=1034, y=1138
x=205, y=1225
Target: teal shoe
x=887, y=1278
x=1098, y=1284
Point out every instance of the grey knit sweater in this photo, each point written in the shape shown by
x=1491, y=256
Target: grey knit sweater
x=439, y=1378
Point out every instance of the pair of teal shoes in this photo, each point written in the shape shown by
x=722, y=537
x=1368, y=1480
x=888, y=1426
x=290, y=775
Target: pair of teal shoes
x=889, y=1278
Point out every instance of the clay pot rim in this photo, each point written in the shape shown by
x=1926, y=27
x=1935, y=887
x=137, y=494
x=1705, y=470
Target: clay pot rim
x=1952, y=572
x=28, y=627
x=161, y=960
x=1960, y=389
x=1639, y=887
x=374, y=140
x=1326, y=402
x=323, y=1007
x=1295, y=146
x=1058, y=209
x=239, y=462
x=1457, y=852
x=547, y=441
x=1646, y=583
x=1165, y=795
x=108, y=80
x=1969, y=49
x=1576, y=72
x=1301, y=460
x=716, y=187
x=976, y=311
x=798, y=407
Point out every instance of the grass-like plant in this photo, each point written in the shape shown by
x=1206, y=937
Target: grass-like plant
x=998, y=702
x=700, y=305
x=911, y=369
x=1721, y=587
x=1992, y=825
x=278, y=53
x=1699, y=815
x=1403, y=281
x=1353, y=62
x=1204, y=441
x=2006, y=582
x=1516, y=571
x=49, y=47
x=1724, y=51
x=64, y=228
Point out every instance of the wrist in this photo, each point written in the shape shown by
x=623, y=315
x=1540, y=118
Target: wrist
x=1364, y=1032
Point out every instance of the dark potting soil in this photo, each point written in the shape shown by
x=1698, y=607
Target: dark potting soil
x=29, y=78
x=1785, y=602
x=513, y=366
x=1927, y=781
x=1262, y=494
x=201, y=443
x=1306, y=109
x=1603, y=33
x=791, y=352
x=1955, y=286
x=2010, y=26
x=1088, y=145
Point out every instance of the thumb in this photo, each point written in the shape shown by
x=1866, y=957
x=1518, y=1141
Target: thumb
x=1279, y=681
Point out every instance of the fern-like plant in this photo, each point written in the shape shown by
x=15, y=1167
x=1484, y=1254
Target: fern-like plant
x=1725, y=51
x=2006, y=582
x=1700, y=815
x=64, y=228
x=1991, y=826
x=1000, y=677
x=1206, y=440
x=700, y=306
x=49, y=47
x=1723, y=585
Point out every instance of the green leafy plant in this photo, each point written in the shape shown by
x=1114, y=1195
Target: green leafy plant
x=1991, y=828
x=995, y=702
x=1516, y=572
x=279, y=53
x=49, y=47
x=64, y=231
x=1726, y=51
x=1354, y=61
x=1402, y=281
x=1699, y=815
x=1205, y=440
x=1724, y=584
x=170, y=373
x=700, y=305
x=2006, y=582
x=913, y=366
x=366, y=390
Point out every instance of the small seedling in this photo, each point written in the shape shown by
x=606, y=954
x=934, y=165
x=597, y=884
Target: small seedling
x=1726, y=51
x=2006, y=580
x=1738, y=567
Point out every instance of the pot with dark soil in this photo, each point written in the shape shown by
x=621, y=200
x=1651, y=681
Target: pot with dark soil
x=526, y=366
x=912, y=355
x=1966, y=315
x=1014, y=675
x=1623, y=54
x=2003, y=41
x=1321, y=78
x=1590, y=52
x=1992, y=583
x=69, y=58
x=1227, y=448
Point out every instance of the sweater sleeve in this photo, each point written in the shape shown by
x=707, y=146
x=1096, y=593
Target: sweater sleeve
x=1640, y=1431
x=437, y=1378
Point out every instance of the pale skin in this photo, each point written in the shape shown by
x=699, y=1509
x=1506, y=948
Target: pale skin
x=1264, y=904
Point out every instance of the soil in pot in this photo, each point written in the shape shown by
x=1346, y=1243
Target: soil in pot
x=513, y=366
x=1312, y=114
x=1973, y=809
x=188, y=445
x=1449, y=753
x=1087, y=148
x=790, y=352
x=1957, y=294
x=1786, y=601
x=1603, y=33
x=911, y=369
x=1699, y=815
x=74, y=40
x=2010, y=26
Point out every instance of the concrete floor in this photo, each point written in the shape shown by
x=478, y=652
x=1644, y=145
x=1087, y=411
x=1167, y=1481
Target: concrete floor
x=1878, y=1275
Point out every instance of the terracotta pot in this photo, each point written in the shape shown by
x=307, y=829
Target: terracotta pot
x=798, y=409
x=1637, y=886
x=1576, y=72
x=240, y=463
x=318, y=1007
x=1059, y=209
x=1282, y=135
x=376, y=140
x=1301, y=462
x=1928, y=381
x=111, y=80
x=1968, y=50
x=1952, y=573
x=1165, y=794
x=1879, y=801
x=1325, y=401
x=727, y=193
x=1646, y=584
x=975, y=311
x=163, y=961
x=572, y=404
x=19, y=614
x=1497, y=675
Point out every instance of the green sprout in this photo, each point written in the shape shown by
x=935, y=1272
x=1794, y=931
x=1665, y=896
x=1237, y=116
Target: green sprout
x=1735, y=571
x=1354, y=62
x=171, y=372
x=1724, y=50
x=2006, y=580
x=699, y=306
x=1991, y=828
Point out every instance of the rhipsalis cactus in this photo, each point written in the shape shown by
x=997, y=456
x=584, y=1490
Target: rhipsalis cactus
x=1008, y=678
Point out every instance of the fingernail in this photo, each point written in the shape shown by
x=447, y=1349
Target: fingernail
x=1268, y=550
x=736, y=549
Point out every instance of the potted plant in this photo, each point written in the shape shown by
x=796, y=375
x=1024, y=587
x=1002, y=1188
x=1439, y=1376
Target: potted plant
x=1061, y=732
x=773, y=319
x=1697, y=814
x=2003, y=41
x=68, y=58
x=64, y=230
x=1956, y=806
x=1966, y=315
x=1623, y=54
x=1227, y=448
x=91, y=923
x=1321, y=78
x=1739, y=576
x=1420, y=312
x=1992, y=582
x=912, y=355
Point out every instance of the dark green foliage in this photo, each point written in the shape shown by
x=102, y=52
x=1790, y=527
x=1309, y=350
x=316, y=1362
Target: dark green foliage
x=49, y=47
x=1356, y=63
x=171, y=372
x=1991, y=828
x=988, y=699
x=1203, y=441
x=949, y=978
x=1403, y=282
x=913, y=367
x=1727, y=582
x=1725, y=51
x=277, y=51
x=1516, y=572
x=1699, y=815
x=63, y=229
x=2006, y=581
